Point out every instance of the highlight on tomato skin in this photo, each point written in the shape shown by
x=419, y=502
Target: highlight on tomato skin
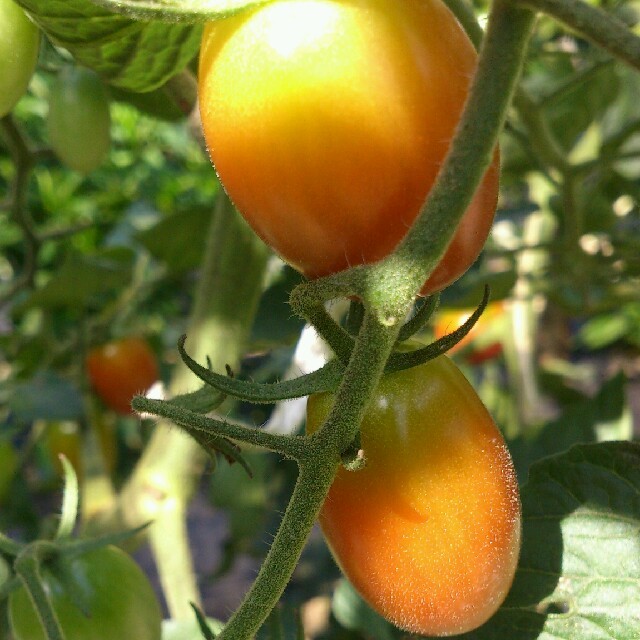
x=120, y=369
x=429, y=531
x=327, y=123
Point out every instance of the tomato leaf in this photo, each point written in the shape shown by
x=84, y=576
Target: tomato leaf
x=176, y=10
x=579, y=570
x=139, y=56
x=351, y=611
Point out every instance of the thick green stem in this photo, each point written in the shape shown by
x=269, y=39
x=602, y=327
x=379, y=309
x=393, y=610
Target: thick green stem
x=164, y=480
x=602, y=28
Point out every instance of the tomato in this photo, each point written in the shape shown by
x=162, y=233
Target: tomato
x=78, y=122
x=429, y=530
x=63, y=437
x=328, y=121
x=120, y=369
x=19, y=44
x=119, y=601
x=484, y=341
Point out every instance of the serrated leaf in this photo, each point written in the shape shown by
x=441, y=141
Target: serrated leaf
x=134, y=55
x=579, y=570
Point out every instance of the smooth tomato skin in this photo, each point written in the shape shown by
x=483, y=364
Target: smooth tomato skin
x=19, y=45
x=120, y=369
x=328, y=121
x=483, y=342
x=119, y=599
x=79, y=121
x=429, y=531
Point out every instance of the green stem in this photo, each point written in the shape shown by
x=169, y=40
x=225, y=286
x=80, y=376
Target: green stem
x=317, y=470
x=27, y=566
x=602, y=28
x=308, y=495
x=166, y=476
x=499, y=66
x=289, y=446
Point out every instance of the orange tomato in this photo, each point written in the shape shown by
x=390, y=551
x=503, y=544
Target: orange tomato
x=120, y=369
x=327, y=123
x=429, y=531
x=484, y=341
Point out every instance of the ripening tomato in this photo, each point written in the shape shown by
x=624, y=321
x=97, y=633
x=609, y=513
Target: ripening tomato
x=19, y=44
x=429, y=531
x=120, y=369
x=484, y=341
x=79, y=122
x=327, y=123
x=99, y=595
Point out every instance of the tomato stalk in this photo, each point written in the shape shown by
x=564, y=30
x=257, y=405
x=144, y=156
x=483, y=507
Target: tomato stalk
x=27, y=566
x=166, y=476
x=317, y=469
x=602, y=28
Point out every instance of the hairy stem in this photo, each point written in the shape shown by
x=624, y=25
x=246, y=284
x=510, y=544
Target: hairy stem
x=602, y=28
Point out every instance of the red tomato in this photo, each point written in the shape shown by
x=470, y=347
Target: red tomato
x=121, y=369
x=429, y=531
x=327, y=123
x=484, y=341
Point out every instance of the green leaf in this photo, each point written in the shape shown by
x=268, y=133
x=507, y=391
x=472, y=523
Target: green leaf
x=604, y=416
x=186, y=629
x=176, y=10
x=579, y=569
x=83, y=277
x=180, y=251
x=353, y=613
x=46, y=396
x=139, y=56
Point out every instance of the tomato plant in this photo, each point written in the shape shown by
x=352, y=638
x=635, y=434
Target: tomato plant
x=19, y=44
x=327, y=123
x=483, y=342
x=120, y=369
x=78, y=122
x=429, y=530
x=101, y=595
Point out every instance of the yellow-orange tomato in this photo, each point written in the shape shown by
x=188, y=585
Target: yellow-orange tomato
x=429, y=531
x=328, y=120
x=483, y=342
x=120, y=369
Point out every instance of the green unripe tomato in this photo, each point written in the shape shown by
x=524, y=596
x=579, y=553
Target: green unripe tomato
x=19, y=43
x=79, y=122
x=118, y=598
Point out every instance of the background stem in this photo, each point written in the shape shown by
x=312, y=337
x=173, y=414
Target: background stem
x=167, y=474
